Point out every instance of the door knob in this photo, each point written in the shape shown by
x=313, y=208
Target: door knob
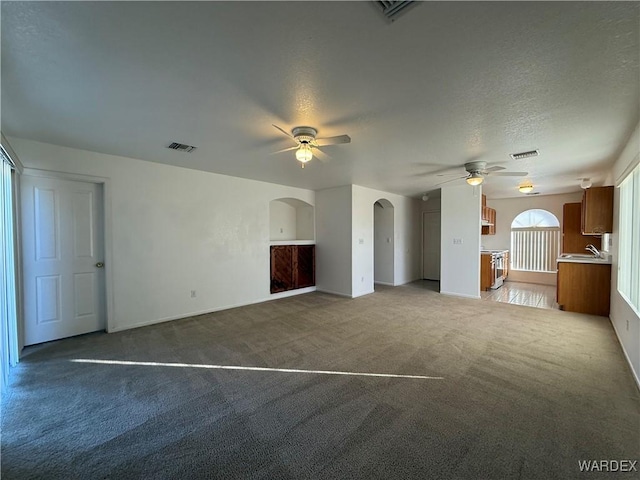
x=99, y=264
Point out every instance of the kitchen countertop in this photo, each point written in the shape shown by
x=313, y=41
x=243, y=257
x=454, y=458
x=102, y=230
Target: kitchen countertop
x=582, y=258
x=489, y=252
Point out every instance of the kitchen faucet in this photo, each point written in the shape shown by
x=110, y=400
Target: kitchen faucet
x=593, y=250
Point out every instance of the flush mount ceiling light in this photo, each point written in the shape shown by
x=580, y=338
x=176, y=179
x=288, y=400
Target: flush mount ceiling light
x=585, y=183
x=425, y=197
x=304, y=153
x=475, y=179
x=525, y=188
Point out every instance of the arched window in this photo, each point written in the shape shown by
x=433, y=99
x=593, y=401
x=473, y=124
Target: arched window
x=535, y=241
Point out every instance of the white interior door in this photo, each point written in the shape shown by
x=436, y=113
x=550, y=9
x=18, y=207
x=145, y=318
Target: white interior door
x=63, y=255
x=431, y=245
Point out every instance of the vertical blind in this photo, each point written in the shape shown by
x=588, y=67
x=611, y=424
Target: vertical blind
x=8, y=321
x=535, y=249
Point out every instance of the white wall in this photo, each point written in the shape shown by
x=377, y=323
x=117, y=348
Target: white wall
x=333, y=240
x=460, y=263
x=624, y=320
x=509, y=208
x=173, y=230
x=305, y=222
x=282, y=221
x=383, y=243
x=291, y=219
x=407, y=238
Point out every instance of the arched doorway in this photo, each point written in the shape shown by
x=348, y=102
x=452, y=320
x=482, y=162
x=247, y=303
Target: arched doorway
x=383, y=242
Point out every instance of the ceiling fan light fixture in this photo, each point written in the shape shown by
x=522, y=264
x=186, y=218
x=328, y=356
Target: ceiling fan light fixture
x=304, y=153
x=475, y=179
x=525, y=188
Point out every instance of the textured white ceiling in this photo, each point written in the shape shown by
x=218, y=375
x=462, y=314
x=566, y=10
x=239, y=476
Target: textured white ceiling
x=445, y=83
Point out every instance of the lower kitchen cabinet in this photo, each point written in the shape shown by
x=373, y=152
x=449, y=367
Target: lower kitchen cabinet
x=487, y=271
x=584, y=287
x=292, y=266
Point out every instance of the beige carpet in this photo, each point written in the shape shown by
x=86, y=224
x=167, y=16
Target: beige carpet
x=524, y=393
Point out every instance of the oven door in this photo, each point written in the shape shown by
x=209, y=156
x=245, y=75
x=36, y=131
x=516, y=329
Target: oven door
x=498, y=258
x=499, y=266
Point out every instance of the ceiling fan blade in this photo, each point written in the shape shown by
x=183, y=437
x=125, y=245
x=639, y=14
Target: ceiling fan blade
x=453, y=170
x=508, y=174
x=494, y=168
x=285, y=150
x=446, y=174
x=323, y=142
x=320, y=155
x=285, y=133
x=452, y=180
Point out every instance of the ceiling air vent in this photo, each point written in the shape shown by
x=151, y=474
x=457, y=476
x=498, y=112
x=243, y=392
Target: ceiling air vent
x=521, y=155
x=181, y=147
x=391, y=9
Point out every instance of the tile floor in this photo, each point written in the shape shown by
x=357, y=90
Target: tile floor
x=529, y=294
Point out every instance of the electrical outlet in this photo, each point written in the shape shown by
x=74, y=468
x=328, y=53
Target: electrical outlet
x=193, y=294
x=362, y=279
x=627, y=324
x=361, y=241
x=457, y=241
x=282, y=230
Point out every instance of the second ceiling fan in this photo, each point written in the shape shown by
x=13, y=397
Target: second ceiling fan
x=307, y=145
x=477, y=171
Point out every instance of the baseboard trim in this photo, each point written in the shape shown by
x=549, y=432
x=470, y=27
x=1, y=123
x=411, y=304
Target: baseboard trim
x=634, y=374
x=291, y=293
x=384, y=283
x=331, y=292
x=274, y=296
x=461, y=295
x=363, y=294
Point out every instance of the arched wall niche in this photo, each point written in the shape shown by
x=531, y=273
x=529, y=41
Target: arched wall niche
x=291, y=219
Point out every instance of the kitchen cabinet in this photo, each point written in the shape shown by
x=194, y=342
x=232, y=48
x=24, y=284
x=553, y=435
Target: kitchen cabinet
x=584, y=287
x=597, y=211
x=493, y=268
x=488, y=218
x=487, y=271
x=572, y=239
x=505, y=273
x=292, y=266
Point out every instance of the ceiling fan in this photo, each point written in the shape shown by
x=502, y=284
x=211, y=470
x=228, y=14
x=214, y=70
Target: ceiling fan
x=307, y=145
x=477, y=171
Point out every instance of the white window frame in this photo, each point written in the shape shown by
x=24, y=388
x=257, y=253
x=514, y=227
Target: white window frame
x=628, y=283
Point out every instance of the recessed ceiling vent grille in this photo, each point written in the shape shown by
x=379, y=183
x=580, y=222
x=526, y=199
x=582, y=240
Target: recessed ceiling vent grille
x=181, y=147
x=521, y=155
x=391, y=9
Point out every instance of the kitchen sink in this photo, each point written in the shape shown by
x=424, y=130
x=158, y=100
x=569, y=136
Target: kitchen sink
x=577, y=255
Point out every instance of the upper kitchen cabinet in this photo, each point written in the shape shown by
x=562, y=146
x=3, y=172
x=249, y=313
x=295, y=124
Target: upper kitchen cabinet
x=597, y=210
x=572, y=239
x=488, y=218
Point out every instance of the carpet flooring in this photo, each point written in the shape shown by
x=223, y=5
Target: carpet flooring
x=512, y=392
